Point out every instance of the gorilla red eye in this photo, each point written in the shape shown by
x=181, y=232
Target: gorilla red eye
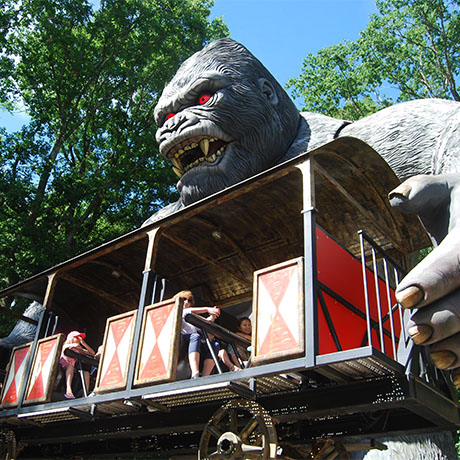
x=170, y=115
x=204, y=98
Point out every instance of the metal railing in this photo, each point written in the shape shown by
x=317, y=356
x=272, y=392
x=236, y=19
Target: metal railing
x=386, y=275
x=388, y=272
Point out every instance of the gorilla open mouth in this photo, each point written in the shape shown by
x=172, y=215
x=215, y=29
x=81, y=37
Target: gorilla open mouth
x=195, y=151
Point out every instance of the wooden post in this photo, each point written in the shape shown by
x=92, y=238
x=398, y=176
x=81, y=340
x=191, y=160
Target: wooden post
x=148, y=282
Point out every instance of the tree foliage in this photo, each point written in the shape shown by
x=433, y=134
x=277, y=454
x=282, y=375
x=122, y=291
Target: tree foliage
x=85, y=168
x=410, y=49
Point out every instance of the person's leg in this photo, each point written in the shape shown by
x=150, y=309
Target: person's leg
x=223, y=356
x=208, y=363
x=68, y=381
x=194, y=354
x=235, y=360
x=208, y=366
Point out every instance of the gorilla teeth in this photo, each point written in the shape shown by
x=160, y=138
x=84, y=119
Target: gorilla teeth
x=204, y=145
x=190, y=155
x=178, y=171
x=176, y=163
x=194, y=145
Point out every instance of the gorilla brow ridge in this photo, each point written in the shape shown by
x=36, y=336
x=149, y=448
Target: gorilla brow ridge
x=237, y=63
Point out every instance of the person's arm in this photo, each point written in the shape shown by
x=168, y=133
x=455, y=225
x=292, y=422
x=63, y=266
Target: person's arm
x=99, y=352
x=245, y=336
x=87, y=350
x=213, y=311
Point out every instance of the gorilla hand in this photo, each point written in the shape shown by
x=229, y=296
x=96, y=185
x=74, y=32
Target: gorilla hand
x=432, y=286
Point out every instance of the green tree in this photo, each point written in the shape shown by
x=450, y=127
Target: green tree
x=86, y=168
x=410, y=49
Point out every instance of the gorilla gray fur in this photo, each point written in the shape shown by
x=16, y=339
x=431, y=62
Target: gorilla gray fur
x=23, y=331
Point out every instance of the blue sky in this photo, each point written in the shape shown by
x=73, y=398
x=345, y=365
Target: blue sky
x=280, y=33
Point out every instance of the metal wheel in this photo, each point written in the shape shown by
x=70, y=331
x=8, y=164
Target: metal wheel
x=240, y=429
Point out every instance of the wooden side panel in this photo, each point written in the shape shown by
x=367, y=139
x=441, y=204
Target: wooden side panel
x=159, y=343
x=118, y=340
x=278, y=311
x=15, y=375
x=44, y=370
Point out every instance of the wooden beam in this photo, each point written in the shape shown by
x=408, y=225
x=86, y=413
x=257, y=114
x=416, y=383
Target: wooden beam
x=98, y=292
x=119, y=269
x=199, y=255
x=229, y=240
x=366, y=214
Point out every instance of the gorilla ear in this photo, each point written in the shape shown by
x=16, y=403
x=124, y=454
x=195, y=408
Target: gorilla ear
x=267, y=89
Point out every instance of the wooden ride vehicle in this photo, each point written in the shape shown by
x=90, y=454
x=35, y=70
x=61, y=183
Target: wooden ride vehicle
x=312, y=250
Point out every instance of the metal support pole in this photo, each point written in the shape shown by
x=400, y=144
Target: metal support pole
x=310, y=268
x=82, y=378
x=148, y=286
x=237, y=354
x=366, y=292
x=211, y=350
x=157, y=289
x=310, y=285
x=377, y=299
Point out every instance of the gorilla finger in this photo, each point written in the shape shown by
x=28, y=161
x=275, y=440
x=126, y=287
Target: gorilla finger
x=456, y=377
x=435, y=276
x=446, y=353
x=419, y=193
x=437, y=321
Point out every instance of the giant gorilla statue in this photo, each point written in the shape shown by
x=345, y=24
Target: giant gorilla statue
x=223, y=118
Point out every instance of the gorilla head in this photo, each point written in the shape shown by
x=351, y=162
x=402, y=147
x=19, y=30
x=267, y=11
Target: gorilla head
x=222, y=119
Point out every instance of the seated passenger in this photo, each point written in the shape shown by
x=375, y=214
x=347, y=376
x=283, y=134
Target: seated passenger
x=224, y=357
x=75, y=341
x=244, y=330
x=197, y=347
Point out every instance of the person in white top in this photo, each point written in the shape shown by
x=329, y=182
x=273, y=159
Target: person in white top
x=197, y=347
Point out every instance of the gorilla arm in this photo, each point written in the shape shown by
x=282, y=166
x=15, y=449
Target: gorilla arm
x=432, y=287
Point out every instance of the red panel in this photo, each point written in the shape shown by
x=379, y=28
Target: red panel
x=155, y=365
x=326, y=341
x=278, y=313
x=15, y=375
x=37, y=387
x=116, y=352
x=342, y=273
x=349, y=327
